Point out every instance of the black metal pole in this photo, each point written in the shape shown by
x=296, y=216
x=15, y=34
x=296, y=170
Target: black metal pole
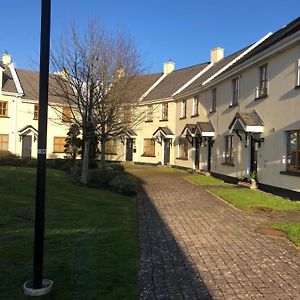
x=42, y=143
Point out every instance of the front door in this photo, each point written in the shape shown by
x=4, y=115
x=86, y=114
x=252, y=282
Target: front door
x=26, y=146
x=166, y=151
x=197, y=150
x=253, y=156
x=129, y=149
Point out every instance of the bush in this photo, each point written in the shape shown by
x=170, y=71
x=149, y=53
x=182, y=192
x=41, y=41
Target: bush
x=9, y=159
x=125, y=184
x=115, y=166
x=30, y=163
x=101, y=177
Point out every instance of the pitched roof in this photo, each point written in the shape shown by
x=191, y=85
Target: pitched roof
x=196, y=85
x=8, y=84
x=205, y=127
x=164, y=130
x=30, y=83
x=173, y=81
x=247, y=119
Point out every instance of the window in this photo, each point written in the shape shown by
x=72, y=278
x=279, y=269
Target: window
x=3, y=109
x=4, y=142
x=149, y=113
x=235, y=92
x=229, y=149
x=111, y=146
x=262, y=89
x=183, y=109
x=127, y=115
x=293, y=151
x=298, y=74
x=195, y=107
x=149, y=147
x=183, y=148
x=59, y=144
x=164, y=112
x=213, y=100
x=36, y=112
x=66, y=114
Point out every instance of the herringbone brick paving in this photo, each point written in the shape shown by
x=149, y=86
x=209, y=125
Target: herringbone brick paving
x=196, y=246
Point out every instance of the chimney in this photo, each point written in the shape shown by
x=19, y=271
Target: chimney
x=169, y=67
x=216, y=54
x=6, y=58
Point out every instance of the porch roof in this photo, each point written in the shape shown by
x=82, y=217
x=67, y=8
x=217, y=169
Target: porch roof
x=131, y=133
x=28, y=128
x=189, y=129
x=163, y=131
x=248, y=122
x=205, y=129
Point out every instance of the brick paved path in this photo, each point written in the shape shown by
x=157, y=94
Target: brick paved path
x=195, y=246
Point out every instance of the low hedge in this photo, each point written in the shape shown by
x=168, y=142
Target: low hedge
x=124, y=184
x=101, y=177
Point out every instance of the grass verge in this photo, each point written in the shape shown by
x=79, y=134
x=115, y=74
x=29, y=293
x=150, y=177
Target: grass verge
x=91, y=242
x=251, y=199
x=291, y=229
x=205, y=180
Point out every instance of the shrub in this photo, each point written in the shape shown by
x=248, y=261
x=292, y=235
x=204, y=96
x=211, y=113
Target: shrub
x=9, y=159
x=124, y=184
x=101, y=177
x=30, y=163
x=115, y=166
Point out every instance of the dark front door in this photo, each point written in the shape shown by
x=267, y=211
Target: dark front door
x=197, y=150
x=26, y=146
x=253, y=156
x=209, y=142
x=166, y=151
x=129, y=149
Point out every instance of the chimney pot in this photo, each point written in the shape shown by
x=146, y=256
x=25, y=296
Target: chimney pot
x=216, y=54
x=6, y=58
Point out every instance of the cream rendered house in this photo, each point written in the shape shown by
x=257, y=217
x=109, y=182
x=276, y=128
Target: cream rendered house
x=19, y=113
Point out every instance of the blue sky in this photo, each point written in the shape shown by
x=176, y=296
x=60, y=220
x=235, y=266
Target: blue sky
x=184, y=31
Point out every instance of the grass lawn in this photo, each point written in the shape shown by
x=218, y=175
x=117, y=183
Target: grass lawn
x=291, y=229
x=91, y=241
x=205, y=180
x=246, y=199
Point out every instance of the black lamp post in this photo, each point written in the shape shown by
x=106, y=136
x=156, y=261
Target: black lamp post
x=40, y=286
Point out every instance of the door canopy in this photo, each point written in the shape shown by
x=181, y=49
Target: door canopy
x=162, y=133
x=27, y=130
x=200, y=129
x=247, y=122
x=131, y=134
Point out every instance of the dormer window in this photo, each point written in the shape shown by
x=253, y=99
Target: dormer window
x=235, y=92
x=183, y=109
x=3, y=109
x=262, y=89
x=195, y=107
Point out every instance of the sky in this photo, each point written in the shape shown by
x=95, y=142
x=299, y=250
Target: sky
x=183, y=31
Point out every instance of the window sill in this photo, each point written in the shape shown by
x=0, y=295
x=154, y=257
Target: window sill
x=290, y=173
x=261, y=97
x=297, y=87
x=194, y=116
x=182, y=158
x=163, y=120
x=35, y=119
x=148, y=121
x=7, y=117
x=182, y=118
x=212, y=111
x=232, y=105
x=111, y=153
x=228, y=164
x=144, y=155
x=58, y=152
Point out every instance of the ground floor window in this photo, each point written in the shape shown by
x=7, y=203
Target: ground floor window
x=59, y=144
x=183, y=148
x=149, y=147
x=293, y=151
x=4, y=142
x=111, y=146
x=229, y=149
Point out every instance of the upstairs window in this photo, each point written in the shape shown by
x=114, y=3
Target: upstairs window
x=182, y=149
x=3, y=108
x=59, y=144
x=149, y=113
x=229, y=149
x=183, y=109
x=235, y=92
x=293, y=151
x=164, y=112
x=149, y=147
x=195, y=107
x=36, y=112
x=4, y=142
x=66, y=114
x=298, y=74
x=262, y=89
x=213, y=100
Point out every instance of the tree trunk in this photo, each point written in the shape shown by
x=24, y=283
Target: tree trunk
x=102, y=162
x=85, y=162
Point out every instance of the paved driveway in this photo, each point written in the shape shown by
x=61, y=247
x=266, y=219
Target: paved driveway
x=195, y=246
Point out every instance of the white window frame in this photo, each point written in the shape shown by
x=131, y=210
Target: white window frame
x=183, y=109
x=195, y=111
x=162, y=110
x=149, y=112
x=298, y=72
x=213, y=106
x=237, y=79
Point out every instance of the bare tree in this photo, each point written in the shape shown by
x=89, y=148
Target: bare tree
x=97, y=72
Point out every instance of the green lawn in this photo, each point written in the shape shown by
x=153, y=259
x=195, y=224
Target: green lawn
x=91, y=242
x=205, y=180
x=246, y=199
x=291, y=229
